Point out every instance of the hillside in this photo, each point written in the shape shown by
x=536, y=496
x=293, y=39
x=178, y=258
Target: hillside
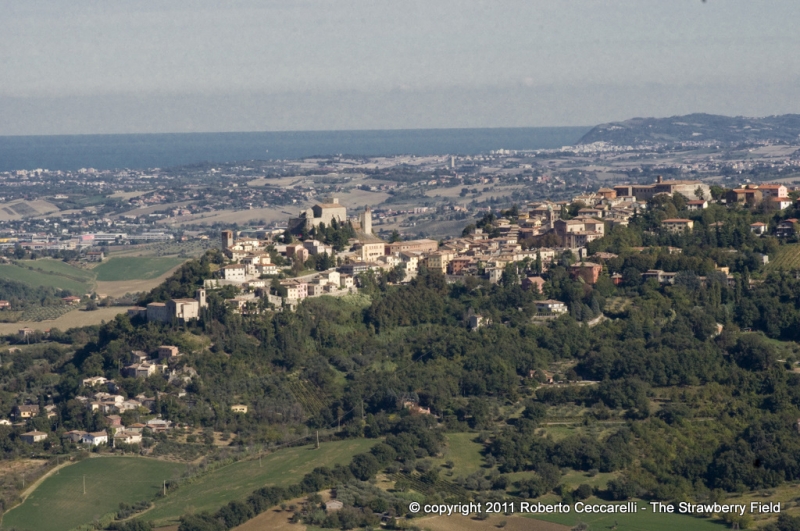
x=695, y=128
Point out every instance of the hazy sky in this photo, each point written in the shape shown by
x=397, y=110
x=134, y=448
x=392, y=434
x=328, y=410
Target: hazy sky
x=262, y=65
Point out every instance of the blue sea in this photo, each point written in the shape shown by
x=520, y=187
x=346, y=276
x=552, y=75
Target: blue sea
x=139, y=151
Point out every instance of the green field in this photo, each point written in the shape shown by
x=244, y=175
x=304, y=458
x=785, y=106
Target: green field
x=237, y=481
x=59, y=504
x=786, y=257
x=59, y=267
x=641, y=521
x=39, y=277
x=135, y=268
x=464, y=452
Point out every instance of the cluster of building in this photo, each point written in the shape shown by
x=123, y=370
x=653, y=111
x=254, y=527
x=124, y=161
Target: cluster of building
x=49, y=242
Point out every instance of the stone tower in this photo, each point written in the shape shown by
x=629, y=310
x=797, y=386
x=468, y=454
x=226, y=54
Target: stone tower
x=227, y=238
x=201, y=298
x=366, y=221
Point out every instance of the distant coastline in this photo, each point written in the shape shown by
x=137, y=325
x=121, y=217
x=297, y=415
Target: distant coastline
x=140, y=151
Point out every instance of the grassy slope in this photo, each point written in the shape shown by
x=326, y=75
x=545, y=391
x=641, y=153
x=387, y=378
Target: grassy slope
x=40, y=278
x=59, y=503
x=59, y=267
x=135, y=268
x=237, y=481
x=464, y=452
x=641, y=521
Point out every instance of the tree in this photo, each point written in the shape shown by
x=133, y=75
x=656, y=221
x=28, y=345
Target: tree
x=699, y=193
x=394, y=237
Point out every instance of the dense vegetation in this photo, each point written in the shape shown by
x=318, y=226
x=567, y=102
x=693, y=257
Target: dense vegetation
x=692, y=383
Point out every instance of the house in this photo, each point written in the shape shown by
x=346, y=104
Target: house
x=4, y=305
x=662, y=277
x=236, y=272
x=354, y=268
x=438, y=261
x=72, y=300
x=239, y=408
x=758, y=227
x=168, y=352
x=25, y=412
x=529, y=283
x=475, y=322
x=25, y=333
x=346, y=281
x=114, y=421
x=697, y=204
x=136, y=428
x=33, y=437
x=94, y=380
x=412, y=246
x=777, y=203
x=141, y=370
x=158, y=425
x=127, y=437
x=588, y=271
x=773, y=190
x=138, y=356
x=786, y=228
x=551, y=306
x=95, y=256
x=749, y=196
x=74, y=436
x=677, y=225
x=95, y=439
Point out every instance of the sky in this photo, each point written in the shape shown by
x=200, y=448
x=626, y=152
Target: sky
x=86, y=67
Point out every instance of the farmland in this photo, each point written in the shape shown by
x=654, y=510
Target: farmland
x=135, y=268
x=58, y=267
x=59, y=503
x=38, y=277
x=238, y=480
x=73, y=319
x=786, y=257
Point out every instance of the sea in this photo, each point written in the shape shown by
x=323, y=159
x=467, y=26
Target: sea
x=143, y=151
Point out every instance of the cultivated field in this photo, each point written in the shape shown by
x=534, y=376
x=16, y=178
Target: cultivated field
x=59, y=267
x=787, y=257
x=135, y=268
x=24, y=209
x=237, y=481
x=59, y=503
x=75, y=318
x=269, y=215
x=39, y=277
